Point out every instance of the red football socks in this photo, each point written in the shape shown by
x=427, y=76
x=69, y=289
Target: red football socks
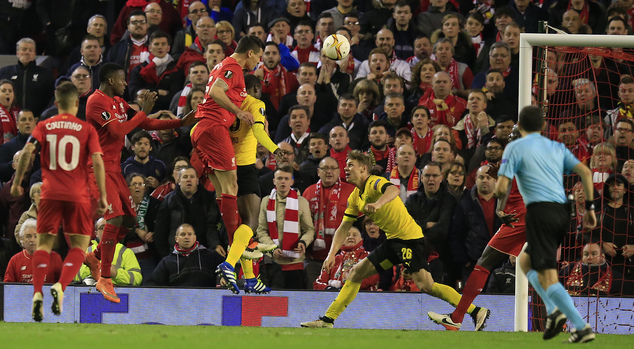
x=72, y=263
x=40, y=268
x=472, y=289
x=107, y=246
x=230, y=215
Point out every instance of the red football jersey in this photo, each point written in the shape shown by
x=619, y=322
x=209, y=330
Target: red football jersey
x=100, y=111
x=515, y=202
x=67, y=144
x=230, y=72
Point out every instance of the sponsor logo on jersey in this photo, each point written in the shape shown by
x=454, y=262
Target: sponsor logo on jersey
x=228, y=74
x=105, y=116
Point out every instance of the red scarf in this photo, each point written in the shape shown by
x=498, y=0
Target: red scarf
x=422, y=144
x=270, y=162
x=575, y=282
x=473, y=133
x=150, y=75
x=320, y=208
x=350, y=66
x=186, y=252
x=341, y=157
x=291, y=223
x=275, y=84
x=199, y=46
x=8, y=125
x=412, y=184
x=585, y=12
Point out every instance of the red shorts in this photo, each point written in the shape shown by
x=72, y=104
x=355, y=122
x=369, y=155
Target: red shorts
x=510, y=240
x=213, y=146
x=117, y=193
x=75, y=217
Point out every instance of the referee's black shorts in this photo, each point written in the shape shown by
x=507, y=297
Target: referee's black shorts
x=411, y=253
x=547, y=223
x=248, y=180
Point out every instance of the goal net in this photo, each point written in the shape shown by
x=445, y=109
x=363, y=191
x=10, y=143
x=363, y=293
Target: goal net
x=584, y=85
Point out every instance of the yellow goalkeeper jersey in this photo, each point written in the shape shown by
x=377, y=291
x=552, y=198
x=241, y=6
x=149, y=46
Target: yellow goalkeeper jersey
x=245, y=138
x=392, y=217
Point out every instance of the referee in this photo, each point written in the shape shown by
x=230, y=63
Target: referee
x=539, y=165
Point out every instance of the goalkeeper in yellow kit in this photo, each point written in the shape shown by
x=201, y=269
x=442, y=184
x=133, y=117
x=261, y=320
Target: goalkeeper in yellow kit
x=379, y=199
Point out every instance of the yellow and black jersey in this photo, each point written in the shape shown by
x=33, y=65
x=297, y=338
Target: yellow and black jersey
x=245, y=138
x=392, y=217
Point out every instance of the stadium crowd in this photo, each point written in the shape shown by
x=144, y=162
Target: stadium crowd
x=429, y=90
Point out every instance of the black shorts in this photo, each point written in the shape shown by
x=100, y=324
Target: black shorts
x=546, y=225
x=411, y=253
x=248, y=180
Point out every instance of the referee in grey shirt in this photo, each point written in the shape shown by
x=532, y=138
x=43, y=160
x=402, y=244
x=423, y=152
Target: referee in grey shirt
x=539, y=165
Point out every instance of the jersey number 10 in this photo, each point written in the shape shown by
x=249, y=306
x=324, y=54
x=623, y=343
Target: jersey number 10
x=58, y=152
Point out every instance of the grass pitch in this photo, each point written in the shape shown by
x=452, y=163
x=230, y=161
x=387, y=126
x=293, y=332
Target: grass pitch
x=96, y=336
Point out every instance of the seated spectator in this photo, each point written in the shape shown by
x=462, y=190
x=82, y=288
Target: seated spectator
x=592, y=275
x=318, y=149
x=215, y=54
x=194, y=98
x=28, y=80
x=20, y=268
x=503, y=128
x=460, y=73
x=474, y=221
x=305, y=51
x=172, y=142
x=502, y=279
x=432, y=208
x=628, y=171
x=192, y=204
x=476, y=123
x=348, y=118
x=403, y=137
x=140, y=239
x=352, y=252
x=327, y=199
x=142, y=162
x=286, y=221
x=382, y=155
x=405, y=175
x=385, y=43
x=511, y=36
x=422, y=75
x=179, y=163
x=125, y=269
x=404, y=29
x=430, y=20
x=98, y=28
x=366, y=91
x=586, y=100
x=528, y=14
x=205, y=34
x=189, y=264
x=159, y=73
x=34, y=193
x=339, y=148
x=185, y=37
x=8, y=111
x=332, y=77
x=568, y=135
x=11, y=207
x=392, y=83
x=461, y=46
x=443, y=154
x=91, y=58
x=602, y=164
x=25, y=125
x=256, y=29
x=301, y=179
x=474, y=28
x=81, y=78
x=225, y=33
x=444, y=107
x=325, y=27
x=456, y=180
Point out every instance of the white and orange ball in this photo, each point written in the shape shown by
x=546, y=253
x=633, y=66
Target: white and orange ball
x=336, y=47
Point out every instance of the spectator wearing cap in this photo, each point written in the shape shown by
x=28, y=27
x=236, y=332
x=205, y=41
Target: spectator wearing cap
x=280, y=32
x=81, y=78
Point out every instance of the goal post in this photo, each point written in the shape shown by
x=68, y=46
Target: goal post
x=526, y=83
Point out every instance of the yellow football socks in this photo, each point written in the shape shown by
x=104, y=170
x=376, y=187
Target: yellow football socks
x=241, y=239
x=448, y=295
x=247, y=268
x=345, y=297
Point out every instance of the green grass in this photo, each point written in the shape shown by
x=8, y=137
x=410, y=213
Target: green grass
x=96, y=336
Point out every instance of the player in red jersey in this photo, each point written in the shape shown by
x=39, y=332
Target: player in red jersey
x=66, y=145
x=108, y=113
x=213, y=147
x=508, y=240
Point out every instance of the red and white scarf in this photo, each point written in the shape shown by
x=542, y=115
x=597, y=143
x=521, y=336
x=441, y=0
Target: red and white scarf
x=154, y=72
x=182, y=99
x=8, y=125
x=412, y=184
x=291, y=223
x=378, y=155
x=473, y=133
x=325, y=206
x=186, y=252
x=454, y=73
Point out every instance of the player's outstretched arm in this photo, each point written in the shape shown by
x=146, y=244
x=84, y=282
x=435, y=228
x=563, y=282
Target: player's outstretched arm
x=337, y=242
x=589, y=219
x=23, y=164
x=100, y=177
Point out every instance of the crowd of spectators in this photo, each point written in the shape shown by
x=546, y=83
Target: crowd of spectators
x=430, y=90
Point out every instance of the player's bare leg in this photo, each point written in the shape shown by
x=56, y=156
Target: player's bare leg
x=359, y=272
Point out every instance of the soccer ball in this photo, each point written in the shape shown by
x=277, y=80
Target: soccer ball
x=336, y=47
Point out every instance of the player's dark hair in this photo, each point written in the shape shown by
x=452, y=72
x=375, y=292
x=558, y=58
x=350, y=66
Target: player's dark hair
x=157, y=34
x=284, y=168
x=378, y=123
x=256, y=24
x=498, y=71
x=362, y=158
x=531, y=119
x=249, y=43
x=108, y=71
x=318, y=135
x=136, y=13
x=298, y=107
x=419, y=107
x=65, y=95
x=140, y=135
x=348, y=97
x=433, y=163
x=251, y=81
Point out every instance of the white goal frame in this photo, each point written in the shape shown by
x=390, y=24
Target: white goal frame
x=527, y=41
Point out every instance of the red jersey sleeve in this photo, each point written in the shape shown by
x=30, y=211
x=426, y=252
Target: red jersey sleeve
x=231, y=75
x=98, y=111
